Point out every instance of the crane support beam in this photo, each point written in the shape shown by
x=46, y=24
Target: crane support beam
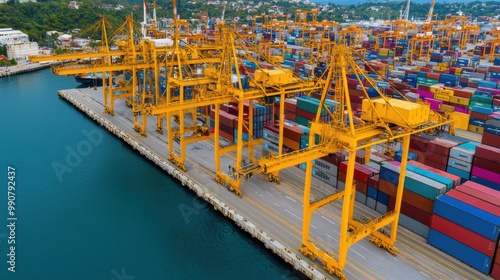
x=232, y=148
x=186, y=104
x=75, y=56
x=98, y=68
x=367, y=229
x=327, y=200
x=276, y=163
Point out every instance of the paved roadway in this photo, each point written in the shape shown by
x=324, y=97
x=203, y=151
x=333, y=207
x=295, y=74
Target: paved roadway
x=277, y=209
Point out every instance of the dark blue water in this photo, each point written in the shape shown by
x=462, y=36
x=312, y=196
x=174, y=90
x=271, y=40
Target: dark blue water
x=89, y=207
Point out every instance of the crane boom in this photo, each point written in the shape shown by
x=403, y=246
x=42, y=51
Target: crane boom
x=407, y=10
x=431, y=10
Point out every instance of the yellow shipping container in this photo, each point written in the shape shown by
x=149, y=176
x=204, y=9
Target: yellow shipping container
x=459, y=100
x=458, y=71
x=446, y=108
x=476, y=129
x=447, y=91
x=440, y=96
x=435, y=89
x=414, y=113
x=460, y=120
x=273, y=77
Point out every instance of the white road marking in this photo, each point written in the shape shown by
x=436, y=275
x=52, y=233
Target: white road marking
x=329, y=236
x=261, y=195
x=277, y=204
x=358, y=254
x=290, y=198
x=313, y=226
x=327, y=219
x=391, y=255
x=370, y=251
x=424, y=274
x=293, y=214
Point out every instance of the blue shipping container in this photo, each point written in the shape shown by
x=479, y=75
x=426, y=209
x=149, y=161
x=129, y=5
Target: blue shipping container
x=460, y=251
x=468, y=216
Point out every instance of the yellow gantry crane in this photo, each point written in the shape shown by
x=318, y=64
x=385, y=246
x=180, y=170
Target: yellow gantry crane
x=199, y=76
x=113, y=64
x=383, y=120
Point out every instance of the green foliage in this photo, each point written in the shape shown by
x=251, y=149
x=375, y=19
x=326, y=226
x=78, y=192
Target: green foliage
x=3, y=50
x=7, y=63
x=35, y=19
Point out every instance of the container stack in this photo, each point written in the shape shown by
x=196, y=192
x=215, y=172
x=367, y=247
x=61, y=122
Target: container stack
x=420, y=190
x=226, y=121
x=307, y=107
x=262, y=115
x=418, y=146
x=466, y=225
x=491, y=135
x=494, y=72
x=326, y=168
x=437, y=153
x=362, y=174
x=460, y=160
x=486, y=166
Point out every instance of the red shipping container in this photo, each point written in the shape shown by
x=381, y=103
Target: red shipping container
x=464, y=235
x=305, y=114
x=420, y=155
x=479, y=194
x=490, y=192
x=227, y=136
x=435, y=164
x=341, y=176
x=480, y=116
x=360, y=173
x=361, y=187
x=462, y=93
x=418, y=201
x=438, y=158
x=488, y=152
x=424, y=87
x=491, y=139
x=373, y=181
x=486, y=164
x=411, y=211
x=495, y=273
x=439, y=147
x=476, y=202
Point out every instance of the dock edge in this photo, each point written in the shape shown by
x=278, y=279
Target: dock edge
x=275, y=246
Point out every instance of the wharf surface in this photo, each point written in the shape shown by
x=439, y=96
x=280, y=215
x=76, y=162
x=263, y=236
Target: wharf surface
x=272, y=213
x=22, y=68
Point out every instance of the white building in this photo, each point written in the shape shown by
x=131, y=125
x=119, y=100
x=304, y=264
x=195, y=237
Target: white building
x=21, y=51
x=9, y=36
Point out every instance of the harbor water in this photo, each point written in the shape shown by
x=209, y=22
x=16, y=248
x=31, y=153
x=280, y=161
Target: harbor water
x=86, y=206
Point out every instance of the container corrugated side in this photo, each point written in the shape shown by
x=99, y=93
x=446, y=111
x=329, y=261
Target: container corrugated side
x=460, y=251
x=476, y=202
x=431, y=175
x=413, y=182
x=463, y=235
x=470, y=217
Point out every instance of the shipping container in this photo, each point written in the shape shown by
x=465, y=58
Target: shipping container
x=464, y=236
x=460, y=251
x=468, y=216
